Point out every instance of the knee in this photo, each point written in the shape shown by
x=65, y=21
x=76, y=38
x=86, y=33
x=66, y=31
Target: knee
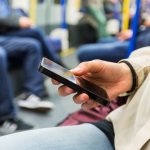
x=81, y=53
x=36, y=31
x=35, y=46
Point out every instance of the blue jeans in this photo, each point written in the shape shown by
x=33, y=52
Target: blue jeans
x=107, y=49
x=37, y=34
x=29, y=51
x=81, y=137
x=6, y=97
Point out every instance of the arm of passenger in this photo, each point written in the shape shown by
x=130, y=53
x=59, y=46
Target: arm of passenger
x=140, y=61
x=11, y=20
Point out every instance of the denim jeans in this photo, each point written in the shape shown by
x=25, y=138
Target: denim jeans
x=81, y=137
x=6, y=103
x=37, y=34
x=109, y=49
x=29, y=51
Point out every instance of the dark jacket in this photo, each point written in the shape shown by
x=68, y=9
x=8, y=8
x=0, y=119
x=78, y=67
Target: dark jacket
x=8, y=18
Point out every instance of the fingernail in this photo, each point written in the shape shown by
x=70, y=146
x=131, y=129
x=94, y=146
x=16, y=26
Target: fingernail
x=68, y=90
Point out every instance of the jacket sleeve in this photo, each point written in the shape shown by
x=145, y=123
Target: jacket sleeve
x=11, y=20
x=140, y=61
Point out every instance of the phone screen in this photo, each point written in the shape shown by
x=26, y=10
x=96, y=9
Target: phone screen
x=66, y=77
x=59, y=70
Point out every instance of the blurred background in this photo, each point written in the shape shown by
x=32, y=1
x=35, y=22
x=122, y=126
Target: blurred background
x=67, y=32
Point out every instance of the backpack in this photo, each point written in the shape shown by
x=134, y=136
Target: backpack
x=92, y=115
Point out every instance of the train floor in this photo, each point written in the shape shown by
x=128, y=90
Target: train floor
x=63, y=105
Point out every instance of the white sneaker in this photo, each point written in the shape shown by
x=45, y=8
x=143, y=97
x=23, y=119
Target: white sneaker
x=33, y=102
x=13, y=125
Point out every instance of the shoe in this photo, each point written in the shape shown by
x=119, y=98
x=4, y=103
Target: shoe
x=34, y=103
x=13, y=125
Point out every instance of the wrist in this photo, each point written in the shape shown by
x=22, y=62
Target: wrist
x=130, y=76
x=127, y=77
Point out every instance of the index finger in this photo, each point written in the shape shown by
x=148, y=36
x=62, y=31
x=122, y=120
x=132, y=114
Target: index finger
x=89, y=66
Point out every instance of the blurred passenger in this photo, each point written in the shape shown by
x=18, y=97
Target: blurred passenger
x=96, y=14
x=15, y=23
x=27, y=52
x=114, y=49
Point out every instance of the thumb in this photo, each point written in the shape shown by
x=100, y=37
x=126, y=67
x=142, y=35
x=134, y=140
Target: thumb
x=94, y=66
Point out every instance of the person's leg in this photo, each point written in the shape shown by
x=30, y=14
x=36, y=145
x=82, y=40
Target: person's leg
x=108, y=40
x=30, y=51
x=81, y=137
x=9, y=123
x=143, y=39
x=36, y=33
x=109, y=52
x=7, y=110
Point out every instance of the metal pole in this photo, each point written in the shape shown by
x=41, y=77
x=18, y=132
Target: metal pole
x=33, y=8
x=125, y=15
x=63, y=7
x=135, y=23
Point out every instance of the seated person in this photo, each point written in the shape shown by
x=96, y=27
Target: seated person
x=114, y=49
x=13, y=24
x=109, y=49
x=96, y=17
x=124, y=129
x=29, y=51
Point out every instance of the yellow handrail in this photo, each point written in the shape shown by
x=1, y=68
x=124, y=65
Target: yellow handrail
x=78, y=4
x=33, y=8
x=125, y=14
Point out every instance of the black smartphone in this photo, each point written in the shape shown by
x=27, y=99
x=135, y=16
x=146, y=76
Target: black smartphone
x=79, y=84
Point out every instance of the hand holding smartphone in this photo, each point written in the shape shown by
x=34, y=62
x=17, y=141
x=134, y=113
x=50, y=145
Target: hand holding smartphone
x=80, y=85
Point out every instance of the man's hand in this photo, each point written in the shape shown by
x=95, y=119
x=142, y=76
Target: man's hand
x=147, y=23
x=125, y=35
x=113, y=77
x=25, y=22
